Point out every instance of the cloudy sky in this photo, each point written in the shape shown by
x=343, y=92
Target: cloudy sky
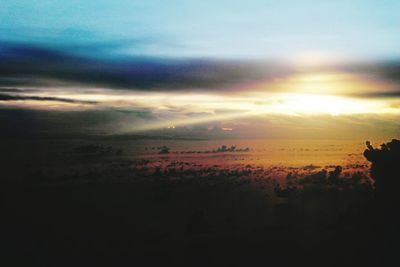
x=237, y=68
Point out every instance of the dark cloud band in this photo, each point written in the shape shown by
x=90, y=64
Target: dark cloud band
x=8, y=97
x=27, y=65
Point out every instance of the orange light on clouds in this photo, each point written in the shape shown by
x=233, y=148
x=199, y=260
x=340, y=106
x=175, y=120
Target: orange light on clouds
x=227, y=129
x=302, y=94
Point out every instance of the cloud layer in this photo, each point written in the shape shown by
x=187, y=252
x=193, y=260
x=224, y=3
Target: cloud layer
x=27, y=65
x=151, y=94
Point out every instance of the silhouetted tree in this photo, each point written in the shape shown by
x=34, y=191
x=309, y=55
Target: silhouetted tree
x=385, y=169
x=164, y=150
x=334, y=175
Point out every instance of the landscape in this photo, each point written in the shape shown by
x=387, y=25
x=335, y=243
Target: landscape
x=188, y=133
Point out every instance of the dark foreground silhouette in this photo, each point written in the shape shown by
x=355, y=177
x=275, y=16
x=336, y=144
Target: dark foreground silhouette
x=207, y=217
x=385, y=170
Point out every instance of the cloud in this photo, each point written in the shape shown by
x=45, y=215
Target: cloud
x=391, y=94
x=8, y=97
x=96, y=65
x=15, y=90
x=35, y=123
x=27, y=65
x=388, y=72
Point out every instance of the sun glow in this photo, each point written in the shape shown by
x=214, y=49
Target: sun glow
x=324, y=82
x=322, y=104
x=315, y=59
x=302, y=94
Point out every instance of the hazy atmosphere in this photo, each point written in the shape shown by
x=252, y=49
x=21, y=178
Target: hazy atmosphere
x=200, y=123
x=261, y=69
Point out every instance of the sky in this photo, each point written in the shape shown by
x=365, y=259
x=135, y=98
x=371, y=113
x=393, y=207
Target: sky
x=224, y=29
x=234, y=68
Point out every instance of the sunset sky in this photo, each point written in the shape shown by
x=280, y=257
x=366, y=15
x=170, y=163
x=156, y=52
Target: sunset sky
x=306, y=69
